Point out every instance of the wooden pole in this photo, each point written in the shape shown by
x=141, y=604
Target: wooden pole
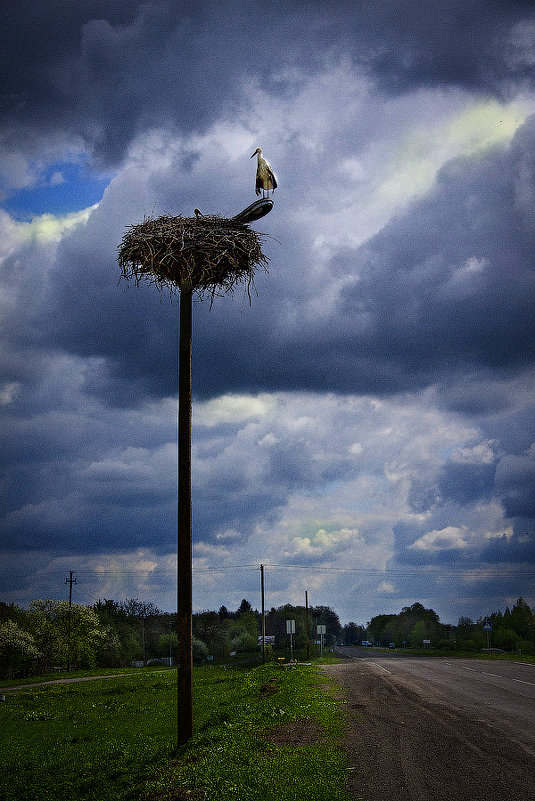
x=263, y=614
x=184, y=571
x=306, y=624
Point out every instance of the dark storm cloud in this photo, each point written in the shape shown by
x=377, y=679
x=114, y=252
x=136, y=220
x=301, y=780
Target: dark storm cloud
x=106, y=71
x=460, y=483
x=444, y=290
x=519, y=548
x=468, y=43
x=450, y=285
x=509, y=483
x=465, y=483
x=515, y=480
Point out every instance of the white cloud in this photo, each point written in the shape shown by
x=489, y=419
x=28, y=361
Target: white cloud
x=213, y=552
x=446, y=539
x=322, y=543
x=386, y=588
x=234, y=409
x=42, y=230
x=475, y=454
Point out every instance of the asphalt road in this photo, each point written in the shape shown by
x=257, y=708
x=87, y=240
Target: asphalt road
x=499, y=692
x=427, y=729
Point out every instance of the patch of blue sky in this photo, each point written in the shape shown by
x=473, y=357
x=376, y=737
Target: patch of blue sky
x=63, y=188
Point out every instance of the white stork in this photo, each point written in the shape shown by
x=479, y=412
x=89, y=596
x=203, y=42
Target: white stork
x=265, y=177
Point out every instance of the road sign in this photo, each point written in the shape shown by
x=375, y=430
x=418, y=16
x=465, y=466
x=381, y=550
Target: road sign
x=487, y=625
x=321, y=629
x=290, y=627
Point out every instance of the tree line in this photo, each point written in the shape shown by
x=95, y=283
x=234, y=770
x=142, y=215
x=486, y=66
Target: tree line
x=512, y=630
x=55, y=635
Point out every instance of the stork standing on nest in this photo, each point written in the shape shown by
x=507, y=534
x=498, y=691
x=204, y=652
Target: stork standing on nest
x=265, y=177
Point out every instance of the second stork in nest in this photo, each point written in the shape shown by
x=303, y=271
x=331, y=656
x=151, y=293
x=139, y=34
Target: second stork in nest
x=265, y=177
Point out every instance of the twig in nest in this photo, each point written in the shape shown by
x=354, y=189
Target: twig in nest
x=206, y=255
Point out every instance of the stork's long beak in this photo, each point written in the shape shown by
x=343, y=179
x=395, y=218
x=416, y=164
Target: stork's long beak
x=254, y=154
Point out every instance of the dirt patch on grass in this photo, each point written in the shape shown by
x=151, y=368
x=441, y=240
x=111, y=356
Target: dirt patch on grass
x=270, y=688
x=295, y=733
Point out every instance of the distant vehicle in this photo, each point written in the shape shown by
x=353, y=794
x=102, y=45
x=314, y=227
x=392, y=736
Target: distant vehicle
x=492, y=651
x=367, y=643
x=392, y=645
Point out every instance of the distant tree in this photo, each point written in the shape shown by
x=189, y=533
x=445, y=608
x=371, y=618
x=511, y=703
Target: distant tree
x=215, y=634
x=124, y=645
x=58, y=628
x=522, y=619
x=245, y=606
x=353, y=634
x=243, y=641
x=168, y=645
x=109, y=652
x=244, y=632
x=419, y=634
x=465, y=623
x=246, y=621
x=144, y=613
x=12, y=612
x=326, y=616
x=17, y=650
x=507, y=639
x=377, y=627
x=200, y=651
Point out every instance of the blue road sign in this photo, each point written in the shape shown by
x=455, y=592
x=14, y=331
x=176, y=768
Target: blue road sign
x=487, y=625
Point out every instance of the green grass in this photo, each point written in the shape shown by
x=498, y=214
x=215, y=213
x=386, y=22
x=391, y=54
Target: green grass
x=61, y=675
x=115, y=739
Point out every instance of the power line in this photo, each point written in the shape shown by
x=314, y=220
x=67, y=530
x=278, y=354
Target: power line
x=467, y=572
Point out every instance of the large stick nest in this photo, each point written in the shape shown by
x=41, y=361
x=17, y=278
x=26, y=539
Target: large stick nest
x=206, y=255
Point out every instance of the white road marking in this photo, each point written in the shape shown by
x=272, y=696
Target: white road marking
x=382, y=668
x=499, y=676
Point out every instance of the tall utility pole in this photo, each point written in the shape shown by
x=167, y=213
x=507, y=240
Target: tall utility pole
x=184, y=568
x=306, y=624
x=145, y=253
x=263, y=614
x=70, y=581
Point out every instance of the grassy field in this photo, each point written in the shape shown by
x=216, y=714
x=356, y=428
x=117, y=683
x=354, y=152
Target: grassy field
x=260, y=733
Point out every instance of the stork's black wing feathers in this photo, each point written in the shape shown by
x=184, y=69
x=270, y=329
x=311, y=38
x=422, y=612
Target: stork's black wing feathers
x=259, y=185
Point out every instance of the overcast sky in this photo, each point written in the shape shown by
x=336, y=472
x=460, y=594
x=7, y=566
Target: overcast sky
x=365, y=426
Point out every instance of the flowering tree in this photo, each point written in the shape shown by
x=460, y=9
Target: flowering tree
x=17, y=649
x=59, y=629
